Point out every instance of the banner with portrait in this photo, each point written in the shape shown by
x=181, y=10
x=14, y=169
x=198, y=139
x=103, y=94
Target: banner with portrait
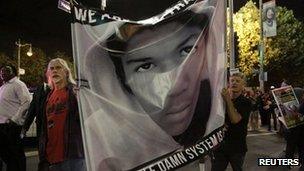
x=288, y=106
x=269, y=19
x=150, y=89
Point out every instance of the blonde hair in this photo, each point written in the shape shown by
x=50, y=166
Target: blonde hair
x=240, y=75
x=65, y=65
x=243, y=78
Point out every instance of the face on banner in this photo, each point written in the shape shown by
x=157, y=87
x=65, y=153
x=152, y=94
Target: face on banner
x=150, y=87
x=161, y=66
x=270, y=15
x=269, y=19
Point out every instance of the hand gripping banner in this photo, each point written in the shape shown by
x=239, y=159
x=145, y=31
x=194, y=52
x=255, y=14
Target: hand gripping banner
x=149, y=94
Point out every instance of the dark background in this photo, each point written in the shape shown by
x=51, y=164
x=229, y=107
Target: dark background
x=41, y=23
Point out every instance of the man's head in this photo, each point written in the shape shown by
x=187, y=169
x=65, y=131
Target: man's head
x=59, y=72
x=7, y=72
x=147, y=59
x=140, y=42
x=237, y=83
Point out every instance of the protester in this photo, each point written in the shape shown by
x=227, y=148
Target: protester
x=294, y=136
x=234, y=148
x=36, y=110
x=268, y=107
x=60, y=140
x=260, y=105
x=254, y=115
x=14, y=100
x=301, y=128
x=1, y=162
x=284, y=83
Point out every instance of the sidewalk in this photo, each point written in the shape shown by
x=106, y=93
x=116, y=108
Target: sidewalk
x=261, y=144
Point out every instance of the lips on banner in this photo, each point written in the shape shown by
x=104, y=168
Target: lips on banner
x=150, y=86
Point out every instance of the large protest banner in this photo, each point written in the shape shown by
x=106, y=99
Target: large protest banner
x=269, y=19
x=150, y=89
x=288, y=106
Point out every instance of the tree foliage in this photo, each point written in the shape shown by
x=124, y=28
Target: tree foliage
x=246, y=24
x=5, y=60
x=34, y=66
x=284, y=53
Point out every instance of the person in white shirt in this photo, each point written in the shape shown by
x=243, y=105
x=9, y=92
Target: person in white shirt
x=14, y=101
x=1, y=163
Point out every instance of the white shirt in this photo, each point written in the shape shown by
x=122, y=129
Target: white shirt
x=14, y=101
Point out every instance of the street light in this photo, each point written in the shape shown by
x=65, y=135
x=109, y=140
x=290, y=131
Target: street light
x=29, y=53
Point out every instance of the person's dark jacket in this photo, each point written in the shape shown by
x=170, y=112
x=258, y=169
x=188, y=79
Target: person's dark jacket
x=73, y=139
x=36, y=108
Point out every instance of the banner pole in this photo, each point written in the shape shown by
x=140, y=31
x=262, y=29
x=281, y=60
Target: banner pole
x=261, y=77
x=231, y=36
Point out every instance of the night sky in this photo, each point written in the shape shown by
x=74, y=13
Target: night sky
x=41, y=23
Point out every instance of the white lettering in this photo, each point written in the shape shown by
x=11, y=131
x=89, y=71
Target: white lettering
x=174, y=160
x=80, y=15
x=187, y=1
x=220, y=136
x=203, y=143
x=296, y=162
x=194, y=150
x=262, y=162
x=105, y=16
x=209, y=143
x=179, y=6
x=168, y=164
x=284, y=162
x=214, y=140
x=91, y=14
x=162, y=166
x=278, y=161
x=200, y=149
x=66, y=6
x=182, y=157
x=190, y=155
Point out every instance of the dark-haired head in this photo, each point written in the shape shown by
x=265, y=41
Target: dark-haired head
x=8, y=72
x=118, y=43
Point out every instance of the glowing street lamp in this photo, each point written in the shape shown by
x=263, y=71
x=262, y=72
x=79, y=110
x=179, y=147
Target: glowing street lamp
x=29, y=53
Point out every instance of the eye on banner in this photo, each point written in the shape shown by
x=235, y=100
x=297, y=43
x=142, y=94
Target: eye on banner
x=150, y=89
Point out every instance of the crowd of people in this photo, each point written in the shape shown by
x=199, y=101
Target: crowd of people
x=252, y=110
x=54, y=105
x=262, y=111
